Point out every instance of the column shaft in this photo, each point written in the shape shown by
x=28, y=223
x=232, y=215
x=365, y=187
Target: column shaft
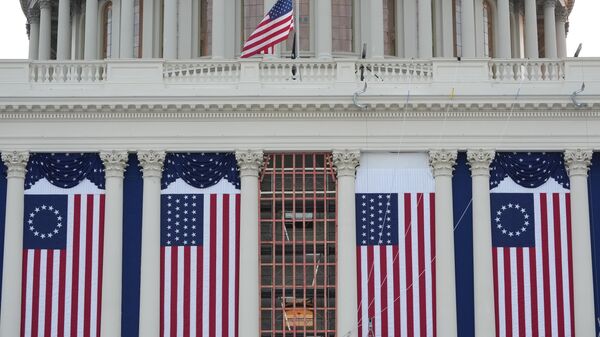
x=127, y=29
x=482, y=242
x=561, y=33
x=550, y=29
x=447, y=29
x=577, y=162
x=468, y=29
x=148, y=30
x=170, y=30
x=531, y=35
x=503, y=27
x=442, y=163
x=114, y=163
x=410, y=29
x=90, y=51
x=10, y=314
x=63, y=44
x=34, y=37
x=152, y=163
x=400, y=28
x=184, y=45
x=218, y=29
x=324, y=28
x=45, y=30
x=425, y=30
x=249, y=163
x=346, y=162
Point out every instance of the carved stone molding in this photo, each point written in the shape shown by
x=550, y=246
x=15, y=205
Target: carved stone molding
x=549, y=3
x=33, y=15
x=345, y=162
x=151, y=162
x=16, y=163
x=578, y=162
x=114, y=162
x=442, y=162
x=45, y=4
x=249, y=162
x=561, y=13
x=480, y=161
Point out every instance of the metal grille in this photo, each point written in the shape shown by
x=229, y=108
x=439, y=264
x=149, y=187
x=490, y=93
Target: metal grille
x=298, y=245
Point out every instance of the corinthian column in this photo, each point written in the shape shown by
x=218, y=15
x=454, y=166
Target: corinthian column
x=550, y=29
x=45, y=29
x=10, y=309
x=345, y=163
x=425, y=29
x=531, y=35
x=479, y=161
x=249, y=162
x=114, y=167
x=152, y=166
x=442, y=164
x=127, y=29
x=34, y=33
x=90, y=51
x=577, y=163
x=503, y=26
x=63, y=44
x=468, y=28
x=561, y=32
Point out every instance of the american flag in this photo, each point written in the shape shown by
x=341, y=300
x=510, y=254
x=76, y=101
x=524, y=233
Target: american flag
x=199, y=264
x=273, y=29
x=62, y=264
x=395, y=250
x=533, y=269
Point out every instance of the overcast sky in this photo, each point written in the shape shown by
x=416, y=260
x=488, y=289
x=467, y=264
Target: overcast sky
x=584, y=28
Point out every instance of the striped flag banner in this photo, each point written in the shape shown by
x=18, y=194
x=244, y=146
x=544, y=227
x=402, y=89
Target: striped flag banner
x=199, y=260
x=62, y=260
x=395, y=228
x=533, y=263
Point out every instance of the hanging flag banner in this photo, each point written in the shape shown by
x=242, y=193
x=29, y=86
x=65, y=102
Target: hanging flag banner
x=63, y=245
x=199, y=260
x=531, y=240
x=395, y=237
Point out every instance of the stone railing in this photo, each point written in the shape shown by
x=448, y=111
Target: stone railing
x=201, y=71
x=67, y=71
x=299, y=70
x=401, y=71
x=526, y=70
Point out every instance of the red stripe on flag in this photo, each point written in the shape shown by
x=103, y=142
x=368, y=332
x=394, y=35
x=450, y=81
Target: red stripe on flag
x=507, y=293
x=534, y=299
x=225, y=281
x=397, y=293
x=173, y=299
x=36, y=293
x=75, y=264
x=433, y=262
x=570, y=257
x=49, y=285
x=384, y=293
x=24, y=291
x=237, y=262
x=186, y=290
x=213, y=264
x=422, y=277
x=521, y=291
x=359, y=288
x=61, y=294
x=558, y=264
x=100, y=262
x=88, y=263
x=199, y=287
x=545, y=264
x=162, y=291
x=496, y=297
x=371, y=284
x=409, y=272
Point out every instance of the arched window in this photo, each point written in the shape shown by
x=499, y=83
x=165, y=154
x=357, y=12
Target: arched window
x=488, y=30
x=343, y=26
x=138, y=8
x=107, y=30
x=389, y=27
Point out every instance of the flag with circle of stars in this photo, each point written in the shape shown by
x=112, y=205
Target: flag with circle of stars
x=181, y=219
x=513, y=221
x=377, y=219
x=45, y=222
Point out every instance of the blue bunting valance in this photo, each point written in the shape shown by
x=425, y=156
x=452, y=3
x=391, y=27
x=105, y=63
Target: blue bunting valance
x=528, y=169
x=200, y=170
x=65, y=170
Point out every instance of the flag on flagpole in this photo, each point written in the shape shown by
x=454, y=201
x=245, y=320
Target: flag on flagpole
x=274, y=28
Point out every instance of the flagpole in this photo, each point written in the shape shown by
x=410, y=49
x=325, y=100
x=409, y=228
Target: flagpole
x=297, y=28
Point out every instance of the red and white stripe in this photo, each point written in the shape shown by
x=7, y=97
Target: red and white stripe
x=62, y=288
x=396, y=287
x=268, y=34
x=533, y=287
x=199, y=292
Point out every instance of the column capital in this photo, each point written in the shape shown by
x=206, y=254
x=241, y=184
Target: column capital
x=114, y=162
x=249, y=162
x=480, y=161
x=45, y=4
x=33, y=15
x=442, y=162
x=562, y=15
x=16, y=163
x=152, y=163
x=578, y=162
x=345, y=162
x=549, y=3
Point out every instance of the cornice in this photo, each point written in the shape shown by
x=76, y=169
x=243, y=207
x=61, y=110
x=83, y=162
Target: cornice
x=420, y=111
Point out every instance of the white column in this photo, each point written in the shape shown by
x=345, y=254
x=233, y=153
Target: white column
x=249, y=162
x=324, y=29
x=503, y=27
x=531, y=34
x=114, y=167
x=468, y=29
x=127, y=29
x=410, y=29
x=184, y=22
x=550, y=29
x=425, y=30
x=346, y=163
x=152, y=166
x=34, y=33
x=442, y=163
x=148, y=30
x=479, y=161
x=90, y=51
x=10, y=314
x=447, y=29
x=561, y=32
x=577, y=163
x=218, y=29
x=375, y=41
x=45, y=29
x=63, y=42
x=170, y=29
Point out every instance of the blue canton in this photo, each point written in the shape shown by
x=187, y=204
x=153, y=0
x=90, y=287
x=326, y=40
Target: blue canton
x=45, y=220
x=181, y=219
x=376, y=219
x=513, y=220
x=281, y=8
